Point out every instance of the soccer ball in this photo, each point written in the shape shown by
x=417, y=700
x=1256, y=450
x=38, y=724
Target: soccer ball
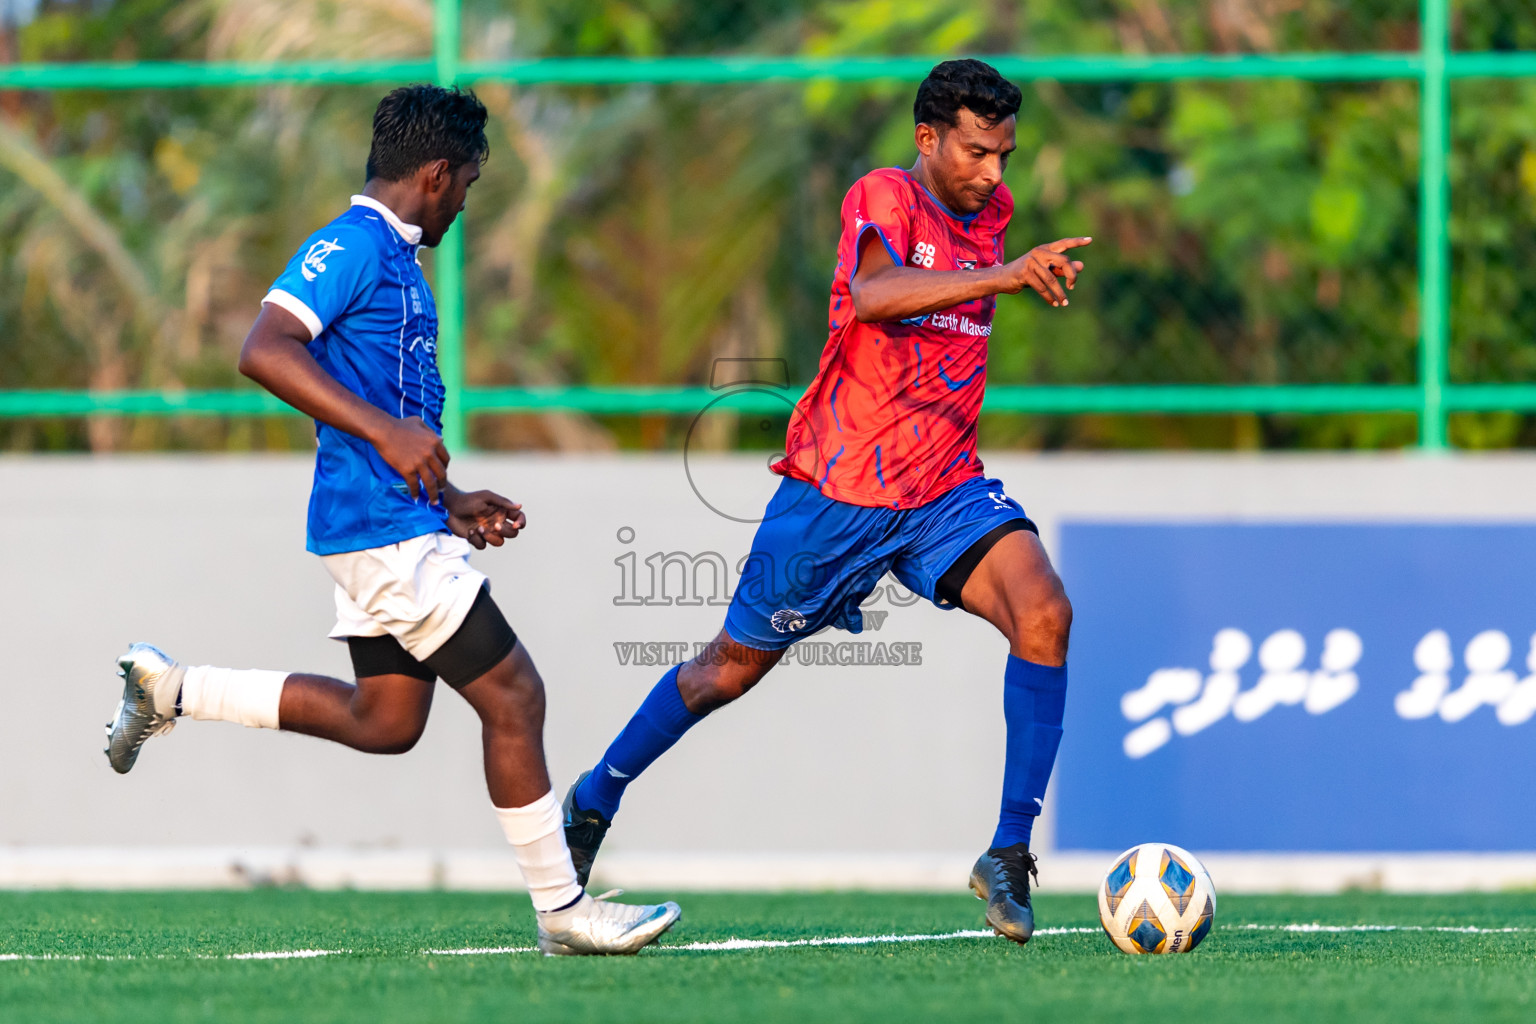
x=1157, y=899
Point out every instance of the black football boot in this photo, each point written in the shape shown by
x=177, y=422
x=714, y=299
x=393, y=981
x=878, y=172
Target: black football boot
x=584, y=832
x=1001, y=877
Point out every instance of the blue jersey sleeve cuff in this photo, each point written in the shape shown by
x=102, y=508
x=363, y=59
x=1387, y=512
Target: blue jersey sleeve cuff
x=295, y=305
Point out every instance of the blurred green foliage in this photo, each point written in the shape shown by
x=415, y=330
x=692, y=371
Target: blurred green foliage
x=1260, y=231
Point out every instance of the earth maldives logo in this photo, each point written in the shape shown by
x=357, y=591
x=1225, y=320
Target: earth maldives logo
x=961, y=323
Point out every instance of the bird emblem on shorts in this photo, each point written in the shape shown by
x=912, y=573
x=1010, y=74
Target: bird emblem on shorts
x=787, y=620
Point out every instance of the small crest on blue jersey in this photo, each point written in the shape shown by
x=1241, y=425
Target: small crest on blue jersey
x=787, y=620
x=314, y=260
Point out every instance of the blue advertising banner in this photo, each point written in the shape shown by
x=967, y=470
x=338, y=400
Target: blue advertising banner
x=1360, y=687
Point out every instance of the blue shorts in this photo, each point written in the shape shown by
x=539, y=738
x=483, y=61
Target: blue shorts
x=815, y=560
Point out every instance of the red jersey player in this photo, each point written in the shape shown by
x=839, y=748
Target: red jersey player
x=881, y=474
x=890, y=419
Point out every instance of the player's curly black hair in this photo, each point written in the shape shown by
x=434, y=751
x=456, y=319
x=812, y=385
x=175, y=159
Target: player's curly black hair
x=417, y=124
x=971, y=84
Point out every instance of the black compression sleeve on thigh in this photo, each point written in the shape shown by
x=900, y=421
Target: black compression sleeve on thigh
x=478, y=646
x=383, y=656
x=953, y=581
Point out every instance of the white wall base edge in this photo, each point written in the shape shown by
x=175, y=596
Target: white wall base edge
x=495, y=870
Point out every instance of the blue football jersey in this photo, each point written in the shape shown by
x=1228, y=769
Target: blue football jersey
x=356, y=285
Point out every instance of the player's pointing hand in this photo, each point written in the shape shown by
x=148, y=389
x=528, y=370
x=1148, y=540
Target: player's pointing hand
x=414, y=450
x=1041, y=266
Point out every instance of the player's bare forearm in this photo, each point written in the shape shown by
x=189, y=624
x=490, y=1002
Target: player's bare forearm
x=883, y=291
x=896, y=293
x=275, y=355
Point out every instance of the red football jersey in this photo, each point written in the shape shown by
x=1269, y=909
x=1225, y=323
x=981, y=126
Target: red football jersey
x=890, y=419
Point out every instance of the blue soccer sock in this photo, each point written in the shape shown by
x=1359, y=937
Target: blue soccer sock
x=660, y=722
x=1034, y=697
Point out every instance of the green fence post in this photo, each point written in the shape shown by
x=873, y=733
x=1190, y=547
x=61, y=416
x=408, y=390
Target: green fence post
x=450, y=254
x=1434, y=229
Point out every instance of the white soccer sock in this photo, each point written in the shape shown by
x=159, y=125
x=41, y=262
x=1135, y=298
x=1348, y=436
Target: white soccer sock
x=537, y=835
x=247, y=696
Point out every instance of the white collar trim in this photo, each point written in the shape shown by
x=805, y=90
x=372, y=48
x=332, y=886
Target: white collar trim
x=410, y=232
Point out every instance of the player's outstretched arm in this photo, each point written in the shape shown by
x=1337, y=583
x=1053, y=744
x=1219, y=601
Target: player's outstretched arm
x=276, y=357
x=881, y=290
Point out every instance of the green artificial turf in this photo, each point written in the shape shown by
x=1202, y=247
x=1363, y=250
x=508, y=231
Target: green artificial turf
x=160, y=957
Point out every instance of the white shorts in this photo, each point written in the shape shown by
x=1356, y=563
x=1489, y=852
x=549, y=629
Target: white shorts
x=417, y=591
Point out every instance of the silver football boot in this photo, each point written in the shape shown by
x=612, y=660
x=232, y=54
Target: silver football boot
x=596, y=927
x=151, y=684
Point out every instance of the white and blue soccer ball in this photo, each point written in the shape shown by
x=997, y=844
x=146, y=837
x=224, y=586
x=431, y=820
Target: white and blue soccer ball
x=1157, y=899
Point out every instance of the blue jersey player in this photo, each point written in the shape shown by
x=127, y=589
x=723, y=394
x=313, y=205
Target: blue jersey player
x=348, y=334
x=881, y=475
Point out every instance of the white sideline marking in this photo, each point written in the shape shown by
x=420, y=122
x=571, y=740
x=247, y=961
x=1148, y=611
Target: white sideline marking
x=276, y=954
x=731, y=945
x=1464, y=930
x=49, y=956
x=734, y=945
x=737, y=945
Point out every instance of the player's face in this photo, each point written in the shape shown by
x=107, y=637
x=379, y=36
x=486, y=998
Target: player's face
x=454, y=189
x=966, y=162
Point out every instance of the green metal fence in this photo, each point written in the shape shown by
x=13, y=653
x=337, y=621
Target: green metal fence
x=1434, y=66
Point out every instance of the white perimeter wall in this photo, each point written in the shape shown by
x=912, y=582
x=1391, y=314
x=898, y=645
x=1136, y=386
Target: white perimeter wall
x=799, y=782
